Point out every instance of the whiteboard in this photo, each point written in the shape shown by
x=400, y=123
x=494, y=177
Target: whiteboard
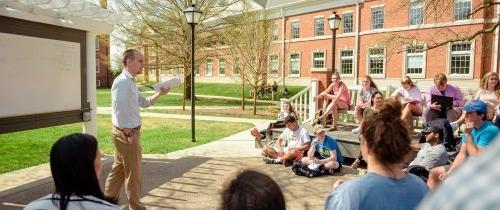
x=38, y=75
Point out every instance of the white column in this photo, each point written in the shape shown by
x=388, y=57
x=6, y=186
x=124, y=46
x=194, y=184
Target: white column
x=314, y=93
x=90, y=127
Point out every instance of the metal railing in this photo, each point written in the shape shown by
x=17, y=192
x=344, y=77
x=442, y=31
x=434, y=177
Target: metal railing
x=303, y=102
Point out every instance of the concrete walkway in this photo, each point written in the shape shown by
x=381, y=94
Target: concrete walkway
x=222, y=97
x=187, y=179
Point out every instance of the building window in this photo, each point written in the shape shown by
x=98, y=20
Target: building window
x=295, y=30
x=236, y=66
x=462, y=9
x=96, y=43
x=346, y=61
x=347, y=18
x=319, y=60
x=416, y=11
x=378, y=18
x=273, y=64
x=294, y=63
x=209, y=67
x=274, y=31
x=196, y=71
x=461, y=54
x=97, y=66
x=222, y=66
x=319, y=26
x=376, y=57
x=415, y=59
x=98, y=83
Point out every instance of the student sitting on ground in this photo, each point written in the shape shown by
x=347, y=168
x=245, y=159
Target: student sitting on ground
x=385, y=143
x=287, y=110
x=432, y=153
x=324, y=152
x=252, y=190
x=478, y=134
x=75, y=163
x=297, y=141
x=410, y=97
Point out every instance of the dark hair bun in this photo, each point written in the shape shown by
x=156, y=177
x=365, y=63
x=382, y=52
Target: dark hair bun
x=390, y=110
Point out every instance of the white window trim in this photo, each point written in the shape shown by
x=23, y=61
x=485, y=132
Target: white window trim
x=423, y=13
x=376, y=6
x=353, y=62
x=98, y=83
x=324, y=69
x=472, y=62
x=269, y=68
x=471, y=8
x=371, y=17
x=97, y=66
x=319, y=16
x=347, y=11
x=218, y=68
x=352, y=31
x=290, y=64
x=291, y=29
x=206, y=68
x=368, y=63
x=314, y=25
x=415, y=76
x=97, y=45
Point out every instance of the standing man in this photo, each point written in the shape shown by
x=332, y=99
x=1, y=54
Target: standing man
x=126, y=100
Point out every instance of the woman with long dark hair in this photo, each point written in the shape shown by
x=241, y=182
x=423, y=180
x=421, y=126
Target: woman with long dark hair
x=75, y=163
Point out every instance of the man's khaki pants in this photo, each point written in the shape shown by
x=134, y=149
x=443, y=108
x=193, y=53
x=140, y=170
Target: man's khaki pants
x=126, y=168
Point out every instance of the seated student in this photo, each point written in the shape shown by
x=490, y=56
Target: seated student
x=409, y=95
x=324, y=151
x=385, y=143
x=363, y=101
x=338, y=93
x=252, y=190
x=478, y=134
x=432, y=153
x=377, y=101
x=297, y=141
x=441, y=88
x=489, y=92
x=75, y=163
x=287, y=110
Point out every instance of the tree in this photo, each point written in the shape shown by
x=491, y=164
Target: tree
x=248, y=38
x=162, y=25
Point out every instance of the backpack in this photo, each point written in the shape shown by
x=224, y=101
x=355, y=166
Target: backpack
x=302, y=170
x=449, y=141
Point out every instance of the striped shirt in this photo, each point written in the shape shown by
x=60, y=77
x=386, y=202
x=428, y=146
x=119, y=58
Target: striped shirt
x=75, y=203
x=474, y=185
x=126, y=100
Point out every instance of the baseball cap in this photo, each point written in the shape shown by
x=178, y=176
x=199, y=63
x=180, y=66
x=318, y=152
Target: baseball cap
x=476, y=106
x=434, y=129
x=319, y=128
x=289, y=118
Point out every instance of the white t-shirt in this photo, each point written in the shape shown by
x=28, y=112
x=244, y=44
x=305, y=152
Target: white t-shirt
x=295, y=138
x=75, y=203
x=412, y=95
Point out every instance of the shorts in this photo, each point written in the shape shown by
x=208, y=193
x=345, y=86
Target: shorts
x=296, y=152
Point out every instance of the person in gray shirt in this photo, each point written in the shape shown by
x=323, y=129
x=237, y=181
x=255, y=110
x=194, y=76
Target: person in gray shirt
x=432, y=153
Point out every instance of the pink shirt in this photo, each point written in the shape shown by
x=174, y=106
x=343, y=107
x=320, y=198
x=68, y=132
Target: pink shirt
x=344, y=95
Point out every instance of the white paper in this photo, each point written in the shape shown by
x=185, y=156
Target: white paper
x=170, y=83
x=314, y=166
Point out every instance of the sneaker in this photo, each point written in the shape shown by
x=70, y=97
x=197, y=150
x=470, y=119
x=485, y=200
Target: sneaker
x=356, y=130
x=268, y=160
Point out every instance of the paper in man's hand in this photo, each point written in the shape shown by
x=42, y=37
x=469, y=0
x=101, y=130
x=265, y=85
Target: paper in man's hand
x=170, y=83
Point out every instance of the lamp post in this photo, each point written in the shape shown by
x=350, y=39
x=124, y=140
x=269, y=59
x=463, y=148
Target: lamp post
x=334, y=22
x=193, y=16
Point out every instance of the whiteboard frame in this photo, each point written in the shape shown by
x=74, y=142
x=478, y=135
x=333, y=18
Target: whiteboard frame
x=41, y=30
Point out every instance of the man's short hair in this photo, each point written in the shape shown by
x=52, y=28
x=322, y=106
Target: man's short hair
x=440, y=79
x=129, y=54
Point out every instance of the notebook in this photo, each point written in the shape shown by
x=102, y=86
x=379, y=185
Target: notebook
x=444, y=101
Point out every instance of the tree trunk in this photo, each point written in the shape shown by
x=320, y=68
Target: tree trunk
x=146, y=64
x=255, y=100
x=243, y=95
x=157, y=70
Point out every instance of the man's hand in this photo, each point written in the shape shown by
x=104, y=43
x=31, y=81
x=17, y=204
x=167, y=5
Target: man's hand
x=163, y=91
x=444, y=175
x=436, y=106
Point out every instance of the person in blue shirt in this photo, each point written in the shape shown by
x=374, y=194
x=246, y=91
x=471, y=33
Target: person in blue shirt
x=324, y=151
x=385, y=144
x=478, y=134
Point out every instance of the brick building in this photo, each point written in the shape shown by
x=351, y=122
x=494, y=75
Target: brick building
x=383, y=38
x=103, y=73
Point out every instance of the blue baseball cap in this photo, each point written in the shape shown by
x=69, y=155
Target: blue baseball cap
x=476, y=106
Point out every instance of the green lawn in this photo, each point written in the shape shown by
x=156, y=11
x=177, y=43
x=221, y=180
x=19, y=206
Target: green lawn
x=104, y=99
x=28, y=148
x=228, y=89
